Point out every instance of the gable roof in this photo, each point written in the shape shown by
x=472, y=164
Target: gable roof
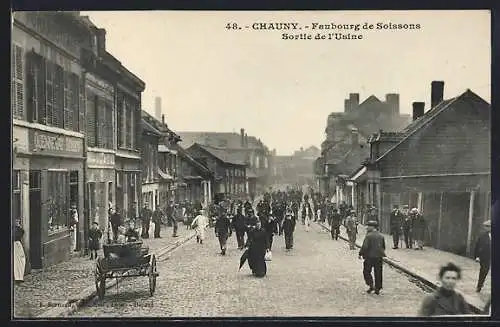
x=371, y=98
x=148, y=129
x=222, y=155
x=427, y=118
x=158, y=125
x=218, y=139
x=192, y=160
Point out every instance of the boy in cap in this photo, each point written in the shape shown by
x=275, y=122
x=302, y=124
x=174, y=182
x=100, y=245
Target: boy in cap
x=95, y=235
x=372, y=251
x=482, y=253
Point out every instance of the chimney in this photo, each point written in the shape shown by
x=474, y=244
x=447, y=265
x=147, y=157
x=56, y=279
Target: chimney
x=354, y=100
x=246, y=140
x=347, y=105
x=418, y=109
x=392, y=102
x=437, y=91
x=158, y=108
x=163, y=119
x=354, y=138
x=242, y=137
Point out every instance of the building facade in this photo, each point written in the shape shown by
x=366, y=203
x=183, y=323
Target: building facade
x=48, y=131
x=149, y=154
x=196, y=176
x=440, y=164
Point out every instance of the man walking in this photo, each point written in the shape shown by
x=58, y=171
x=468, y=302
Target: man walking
x=336, y=221
x=146, y=220
x=289, y=228
x=351, y=229
x=372, y=251
x=223, y=231
x=396, y=222
x=157, y=220
x=408, y=230
x=239, y=227
x=482, y=253
x=418, y=228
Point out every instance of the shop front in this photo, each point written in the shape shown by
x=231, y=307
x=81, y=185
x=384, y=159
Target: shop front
x=100, y=188
x=54, y=183
x=128, y=186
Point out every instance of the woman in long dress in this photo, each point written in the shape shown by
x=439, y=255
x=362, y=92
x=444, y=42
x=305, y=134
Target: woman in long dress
x=257, y=244
x=200, y=224
x=19, y=256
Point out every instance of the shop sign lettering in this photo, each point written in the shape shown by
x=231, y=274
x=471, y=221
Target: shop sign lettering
x=52, y=143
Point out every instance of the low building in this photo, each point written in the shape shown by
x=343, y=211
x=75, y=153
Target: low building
x=227, y=168
x=440, y=164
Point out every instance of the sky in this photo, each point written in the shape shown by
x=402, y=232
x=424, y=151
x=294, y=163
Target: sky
x=281, y=91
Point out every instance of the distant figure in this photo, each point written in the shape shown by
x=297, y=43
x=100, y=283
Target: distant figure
x=19, y=255
x=257, y=246
x=351, y=229
x=223, y=231
x=239, y=226
x=289, y=228
x=373, y=252
x=200, y=224
x=335, y=222
x=396, y=222
x=482, y=253
x=445, y=300
x=146, y=220
x=157, y=220
x=407, y=227
x=418, y=227
x=116, y=221
x=95, y=236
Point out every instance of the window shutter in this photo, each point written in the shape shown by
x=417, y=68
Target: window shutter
x=49, y=91
x=75, y=101
x=41, y=89
x=59, y=97
x=101, y=123
x=82, y=105
x=30, y=88
x=109, y=122
x=68, y=95
x=91, y=120
x=119, y=120
x=18, y=72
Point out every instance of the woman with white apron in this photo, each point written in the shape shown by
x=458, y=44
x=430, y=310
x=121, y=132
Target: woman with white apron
x=19, y=256
x=200, y=224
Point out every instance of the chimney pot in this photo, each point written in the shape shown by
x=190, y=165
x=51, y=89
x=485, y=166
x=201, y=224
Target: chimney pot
x=354, y=100
x=347, y=105
x=392, y=102
x=418, y=110
x=163, y=119
x=437, y=92
x=246, y=140
x=242, y=137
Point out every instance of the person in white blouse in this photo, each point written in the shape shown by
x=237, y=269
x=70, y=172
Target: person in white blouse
x=200, y=224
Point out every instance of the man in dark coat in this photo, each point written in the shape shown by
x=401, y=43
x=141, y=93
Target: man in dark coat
x=146, y=220
x=372, y=251
x=396, y=222
x=157, y=220
x=239, y=227
x=257, y=247
x=335, y=222
x=247, y=206
x=408, y=230
x=288, y=228
x=445, y=300
x=482, y=253
x=116, y=221
x=223, y=231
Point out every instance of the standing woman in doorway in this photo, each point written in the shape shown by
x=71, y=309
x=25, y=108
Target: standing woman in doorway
x=19, y=256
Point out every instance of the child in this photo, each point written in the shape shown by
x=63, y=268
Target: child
x=95, y=235
x=131, y=234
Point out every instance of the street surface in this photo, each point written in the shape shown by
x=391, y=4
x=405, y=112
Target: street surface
x=319, y=277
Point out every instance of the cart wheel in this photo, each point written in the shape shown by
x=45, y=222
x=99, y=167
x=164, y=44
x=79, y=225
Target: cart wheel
x=100, y=282
x=152, y=275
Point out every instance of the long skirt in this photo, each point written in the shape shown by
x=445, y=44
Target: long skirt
x=257, y=264
x=307, y=223
x=19, y=261
x=200, y=232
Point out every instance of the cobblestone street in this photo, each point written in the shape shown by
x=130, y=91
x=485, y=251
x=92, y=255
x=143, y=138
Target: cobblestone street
x=320, y=277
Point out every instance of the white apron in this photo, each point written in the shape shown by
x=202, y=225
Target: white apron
x=19, y=261
x=201, y=223
x=307, y=220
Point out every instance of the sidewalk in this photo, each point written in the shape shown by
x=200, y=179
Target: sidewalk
x=426, y=263
x=64, y=283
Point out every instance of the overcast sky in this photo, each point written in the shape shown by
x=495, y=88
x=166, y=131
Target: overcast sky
x=214, y=79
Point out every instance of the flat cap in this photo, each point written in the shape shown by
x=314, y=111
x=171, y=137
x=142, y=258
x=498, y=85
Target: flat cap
x=372, y=223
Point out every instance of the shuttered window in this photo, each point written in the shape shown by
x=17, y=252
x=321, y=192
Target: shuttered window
x=17, y=81
x=109, y=124
x=101, y=123
x=68, y=97
x=74, y=101
x=82, y=105
x=59, y=97
x=128, y=125
x=35, y=88
x=49, y=92
x=119, y=120
x=91, y=128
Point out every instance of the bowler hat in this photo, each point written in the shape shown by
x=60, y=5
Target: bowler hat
x=372, y=223
x=487, y=223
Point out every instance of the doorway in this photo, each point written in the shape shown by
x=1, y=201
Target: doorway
x=73, y=200
x=35, y=237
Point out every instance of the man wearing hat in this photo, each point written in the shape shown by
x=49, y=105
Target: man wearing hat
x=396, y=221
x=335, y=222
x=351, y=226
x=482, y=253
x=146, y=215
x=407, y=227
x=372, y=251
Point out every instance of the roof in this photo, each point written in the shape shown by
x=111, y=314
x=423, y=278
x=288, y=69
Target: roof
x=222, y=154
x=192, y=160
x=218, y=139
x=350, y=161
x=158, y=125
x=147, y=128
x=428, y=117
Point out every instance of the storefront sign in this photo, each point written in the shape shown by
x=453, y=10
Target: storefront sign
x=42, y=142
x=100, y=159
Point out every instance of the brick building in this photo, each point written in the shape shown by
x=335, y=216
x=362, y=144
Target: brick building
x=440, y=163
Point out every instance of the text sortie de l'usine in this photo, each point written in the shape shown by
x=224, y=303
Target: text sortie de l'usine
x=330, y=31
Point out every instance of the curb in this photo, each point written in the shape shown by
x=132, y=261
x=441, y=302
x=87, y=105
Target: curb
x=477, y=306
x=70, y=306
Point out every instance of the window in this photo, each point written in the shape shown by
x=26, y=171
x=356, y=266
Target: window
x=128, y=126
x=91, y=128
x=57, y=201
x=119, y=120
x=16, y=194
x=35, y=88
x=108, y=108
x=110, y=192
x=17, y=81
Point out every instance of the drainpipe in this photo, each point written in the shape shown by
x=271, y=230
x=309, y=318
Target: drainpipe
x=86, y=213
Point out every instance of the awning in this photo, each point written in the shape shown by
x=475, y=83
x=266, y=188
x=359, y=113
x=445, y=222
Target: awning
x=164, y=175
x=164, y=149
x=359, y=174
